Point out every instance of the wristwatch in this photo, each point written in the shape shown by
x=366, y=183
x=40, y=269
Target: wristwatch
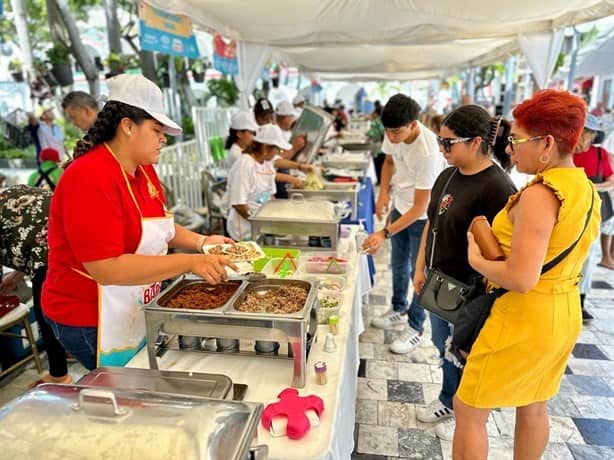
x=387, y=233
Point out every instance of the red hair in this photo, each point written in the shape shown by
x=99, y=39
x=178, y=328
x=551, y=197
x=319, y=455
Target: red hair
x=558, y=113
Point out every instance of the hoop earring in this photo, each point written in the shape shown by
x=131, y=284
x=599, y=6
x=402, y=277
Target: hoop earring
x=542, y=160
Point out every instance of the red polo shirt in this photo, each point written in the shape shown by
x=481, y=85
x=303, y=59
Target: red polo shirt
x=92, y=217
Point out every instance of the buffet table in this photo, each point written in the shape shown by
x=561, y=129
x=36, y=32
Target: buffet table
x=266, y=378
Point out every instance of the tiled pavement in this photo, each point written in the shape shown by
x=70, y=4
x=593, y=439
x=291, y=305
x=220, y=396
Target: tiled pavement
x=391, y=386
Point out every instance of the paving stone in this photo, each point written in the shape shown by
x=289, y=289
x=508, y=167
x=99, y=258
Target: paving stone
x=584, y=452
x=397, y=414
x=408, y=392
x=600, y=285
x=413, y=372
x=588, y=351
x=436, y=374
x=417, y=444
x=431, y=391
x=357, y=456
x=563, y=429
x=366, y=411
x=596, y=431
x=382, y=352
x=382, y=370
x=372, y=389
x=590, y=386
x=380, y=440
x=372, y=335
x=365, y=350
x=563, y=405
x=585, y=367
x=594, y=407
x=557, y=451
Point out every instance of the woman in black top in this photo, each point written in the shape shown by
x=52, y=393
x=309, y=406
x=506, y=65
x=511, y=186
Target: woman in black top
x=478, y=187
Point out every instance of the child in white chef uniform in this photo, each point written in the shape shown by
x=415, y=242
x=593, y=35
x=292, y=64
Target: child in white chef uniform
x=251, y=180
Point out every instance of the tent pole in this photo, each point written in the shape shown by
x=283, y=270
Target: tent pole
x=509, y=86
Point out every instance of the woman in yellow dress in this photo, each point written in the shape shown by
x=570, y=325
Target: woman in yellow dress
x=520, y=355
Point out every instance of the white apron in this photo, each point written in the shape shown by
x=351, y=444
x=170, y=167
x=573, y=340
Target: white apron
x=239, y=228
x=121, y=321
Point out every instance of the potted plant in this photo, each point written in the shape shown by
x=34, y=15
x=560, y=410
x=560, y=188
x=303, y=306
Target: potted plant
x=225, y=90
x=16, y=69
x=59, y=57
x=164, y=79
x=198, y=70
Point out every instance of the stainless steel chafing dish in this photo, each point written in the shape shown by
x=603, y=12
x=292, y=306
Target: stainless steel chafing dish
x=227, y=322
x=341, y=192
x=214, y=386
x=354, y=160
x=299, y=219
x=72, y=421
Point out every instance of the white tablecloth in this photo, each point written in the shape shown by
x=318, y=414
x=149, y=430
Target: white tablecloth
x=266, y=378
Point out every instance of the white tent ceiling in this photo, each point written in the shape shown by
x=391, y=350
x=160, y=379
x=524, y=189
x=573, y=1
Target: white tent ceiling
x=376, y=37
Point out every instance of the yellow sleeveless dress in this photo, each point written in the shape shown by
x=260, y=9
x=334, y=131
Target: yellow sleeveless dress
x=520, y=355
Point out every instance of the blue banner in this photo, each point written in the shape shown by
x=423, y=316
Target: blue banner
x=166, y=33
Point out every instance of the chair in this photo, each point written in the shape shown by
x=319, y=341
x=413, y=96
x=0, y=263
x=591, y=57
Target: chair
x=213, y=210
x=20, y=317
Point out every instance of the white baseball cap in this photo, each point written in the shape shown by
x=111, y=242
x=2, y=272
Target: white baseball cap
x=243, y=121
x=270, y=134
x=138, y=91
x=285, y=109
x=298, y=99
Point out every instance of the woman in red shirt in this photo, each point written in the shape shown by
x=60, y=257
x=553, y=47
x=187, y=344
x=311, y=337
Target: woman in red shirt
x=109, y=231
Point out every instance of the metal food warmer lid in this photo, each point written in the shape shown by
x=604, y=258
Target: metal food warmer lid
x=298, y=209
x=76, y=422
x=183, y=383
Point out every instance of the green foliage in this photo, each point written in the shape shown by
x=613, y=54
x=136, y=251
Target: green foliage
x=15, y=65
x=225, y=90
x=71, y=133
x=196, y=65
x=8, y=151
x=188, y=127
x=58, y=54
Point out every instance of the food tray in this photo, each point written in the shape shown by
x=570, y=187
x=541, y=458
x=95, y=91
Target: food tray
x=324, y=312
x=254, y=251
x=262, y=287
x=325, y=265
x=285, y=268
x=163, y=301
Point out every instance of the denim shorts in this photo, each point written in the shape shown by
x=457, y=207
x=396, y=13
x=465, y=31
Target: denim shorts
x=81, y=342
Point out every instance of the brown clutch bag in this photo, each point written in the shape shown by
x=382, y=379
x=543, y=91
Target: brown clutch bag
x=485, y=238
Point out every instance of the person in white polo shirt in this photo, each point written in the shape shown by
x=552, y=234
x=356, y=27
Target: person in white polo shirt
x=285, y=116
x=412, y=164
x=240, y=135
x=251, y=180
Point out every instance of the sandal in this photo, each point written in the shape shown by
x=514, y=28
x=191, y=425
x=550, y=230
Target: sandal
x=67, y=379
x=605, y=266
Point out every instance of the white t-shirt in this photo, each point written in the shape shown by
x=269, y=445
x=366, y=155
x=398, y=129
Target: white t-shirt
x=250, y=183
x=416, y=166
x=234, y=153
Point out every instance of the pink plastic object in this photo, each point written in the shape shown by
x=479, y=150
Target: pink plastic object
x=293, y=406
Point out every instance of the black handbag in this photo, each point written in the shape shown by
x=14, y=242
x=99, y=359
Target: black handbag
x=442, y=294
x=473, y=314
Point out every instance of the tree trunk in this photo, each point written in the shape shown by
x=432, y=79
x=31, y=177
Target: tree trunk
x=113, y=30
x=83, y=58
x=21, y=24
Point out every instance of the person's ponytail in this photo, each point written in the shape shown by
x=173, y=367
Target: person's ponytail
x=497, y=141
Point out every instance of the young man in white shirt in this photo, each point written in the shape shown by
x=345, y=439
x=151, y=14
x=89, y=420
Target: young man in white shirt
x=412, y=164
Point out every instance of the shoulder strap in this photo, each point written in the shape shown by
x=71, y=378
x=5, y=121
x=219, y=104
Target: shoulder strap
x=558, y=259
x=554, y=262
x=44, y=175
x=436, y=221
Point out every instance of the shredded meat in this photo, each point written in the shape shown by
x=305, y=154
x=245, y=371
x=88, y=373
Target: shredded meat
x=202, y=296
x=281, y=301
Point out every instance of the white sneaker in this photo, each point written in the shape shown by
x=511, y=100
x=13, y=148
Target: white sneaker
x=406, y=342
x=434, y=412
x=445, y=429
x=389, y=319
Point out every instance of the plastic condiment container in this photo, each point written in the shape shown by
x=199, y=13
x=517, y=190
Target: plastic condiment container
x=333, y=322
x=320, y=368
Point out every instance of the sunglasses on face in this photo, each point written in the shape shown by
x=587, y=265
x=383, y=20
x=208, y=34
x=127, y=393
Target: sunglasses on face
x=512, y=141
x=447, y=142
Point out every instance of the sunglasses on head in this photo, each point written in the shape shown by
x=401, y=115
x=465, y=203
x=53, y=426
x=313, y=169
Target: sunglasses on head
x=447, y=142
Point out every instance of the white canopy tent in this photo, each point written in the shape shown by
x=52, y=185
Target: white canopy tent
x=360, y=39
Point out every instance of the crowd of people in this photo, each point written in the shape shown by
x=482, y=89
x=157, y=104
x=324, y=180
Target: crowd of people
x=99, y=234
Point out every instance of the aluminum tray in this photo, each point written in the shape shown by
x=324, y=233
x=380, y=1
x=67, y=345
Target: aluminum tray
x=214, y=386
x=262, y=286
x=173, y=289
